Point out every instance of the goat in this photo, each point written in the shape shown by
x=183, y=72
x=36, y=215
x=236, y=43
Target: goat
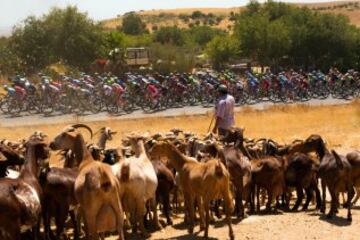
x=354, y=160
x=99, y=151
x=140, y=184
x=20, y=199
x=59, y=197
x=8, y=157
x=335, y=173
x=300, y=168
x=166, y=183
x=199, y=181
x=301, y=173
x=267, y=173
x=95, y=181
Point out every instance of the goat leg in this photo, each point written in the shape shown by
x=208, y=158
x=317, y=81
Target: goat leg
x=350, y=195
x=189, y=204
x=323, y=188
x=357, y=195
x=270, y=198
x=75, y=225
x=228, y=210
x=300, y=195
x=252, y=198
x=239, y=206
x=207, y=218
x=257, y=198
x=36, y=230
x=334, y=202
x=314, y=186
x=201, y=213
x=309, y=197
x=156, y=223
x=46, y=221
x=61, y=215
x=166, y=203
x=140, y=213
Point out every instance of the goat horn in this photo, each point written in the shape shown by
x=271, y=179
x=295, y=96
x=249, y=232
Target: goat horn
x=260, y=140
x=100, y=130
x=108, y=132
x=80, y=125
x=272, y=141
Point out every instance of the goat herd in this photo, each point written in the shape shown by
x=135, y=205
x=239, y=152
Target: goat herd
x=108, y=191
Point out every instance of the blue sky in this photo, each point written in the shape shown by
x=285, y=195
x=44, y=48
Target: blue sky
x=13, y=11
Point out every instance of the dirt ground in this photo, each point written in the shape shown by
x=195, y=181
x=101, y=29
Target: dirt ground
x=280, y=226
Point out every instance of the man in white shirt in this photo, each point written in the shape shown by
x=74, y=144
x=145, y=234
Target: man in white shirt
x=224, y=111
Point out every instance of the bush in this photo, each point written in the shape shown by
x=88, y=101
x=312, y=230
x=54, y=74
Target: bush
x=154, y=28
x=133, y=25
x=169, y=58
x=203, y=34
x=170, y=35
x=197, y=15
x=221, y=50
x=64, y=35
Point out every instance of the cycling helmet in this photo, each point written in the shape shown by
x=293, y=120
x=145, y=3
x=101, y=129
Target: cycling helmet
x=223, y=89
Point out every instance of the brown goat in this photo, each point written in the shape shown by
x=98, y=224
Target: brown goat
x=267, y=173
x=301, y=173
x=239, y=168
x=8, y=157
x=202, y=182
x=58, y=187
x=335, y=173
x=20, y=199
x=166, y=183
x=354, y=160
x=96, y=182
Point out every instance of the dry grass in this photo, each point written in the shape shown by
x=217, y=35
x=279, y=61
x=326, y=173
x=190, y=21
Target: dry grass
x=339, y=125
x=150, y=16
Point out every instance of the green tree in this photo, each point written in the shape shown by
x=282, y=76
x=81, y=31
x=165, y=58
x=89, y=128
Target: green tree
x=9, y=61
x=270, y=32
x=203, y=34
x=133, y=25
x=170, y=35
x=170, y=58
x=197, y=15
x=221, y=50
x=31, y=43
x=62, y=35
x=75, y=38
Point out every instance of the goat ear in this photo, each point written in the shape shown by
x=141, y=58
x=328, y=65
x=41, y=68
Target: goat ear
x=2, y=157
x=338, y=160
x=78, y=146
x=70, y=129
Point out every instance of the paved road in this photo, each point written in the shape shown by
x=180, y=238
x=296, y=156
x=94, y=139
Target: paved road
x=30, y=120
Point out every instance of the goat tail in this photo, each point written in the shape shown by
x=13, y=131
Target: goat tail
x=338, y=160
x=219, y=171
x=125, y=172
x=92, y=181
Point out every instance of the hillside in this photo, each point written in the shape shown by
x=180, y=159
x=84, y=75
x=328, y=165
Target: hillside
x=221, y=17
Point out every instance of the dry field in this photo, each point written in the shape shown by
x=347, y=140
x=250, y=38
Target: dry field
x=339, y=125
x=151, y=17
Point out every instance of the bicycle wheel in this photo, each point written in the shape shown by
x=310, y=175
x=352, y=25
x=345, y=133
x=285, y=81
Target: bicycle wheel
x=47, y=107
x=33, y=105
x=14, y=107
x=96, y=104
x=4, y=105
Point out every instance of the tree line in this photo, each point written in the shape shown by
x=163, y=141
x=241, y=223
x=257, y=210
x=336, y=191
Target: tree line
x=271, y=34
